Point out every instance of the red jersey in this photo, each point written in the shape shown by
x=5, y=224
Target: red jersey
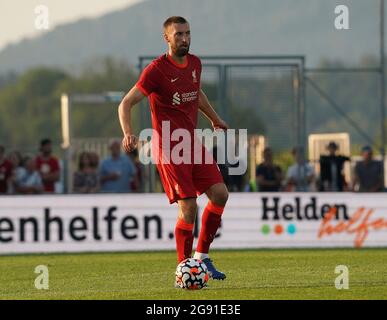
x=45, y=166
x=5, y=174
x=173, y=92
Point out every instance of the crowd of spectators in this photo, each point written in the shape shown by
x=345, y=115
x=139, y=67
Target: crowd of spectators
x=301, y=176
x=122, y=173
x=117, y=173
x=29, y=174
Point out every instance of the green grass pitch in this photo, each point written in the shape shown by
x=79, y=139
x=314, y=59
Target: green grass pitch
x=251, y=275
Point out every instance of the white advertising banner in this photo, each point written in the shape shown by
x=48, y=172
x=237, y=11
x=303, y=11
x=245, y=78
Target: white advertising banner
x=129, y=222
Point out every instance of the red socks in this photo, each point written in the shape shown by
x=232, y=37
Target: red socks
x=211, y=219
x=184, y=239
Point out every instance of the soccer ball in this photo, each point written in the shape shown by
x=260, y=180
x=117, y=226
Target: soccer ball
x=191, y=274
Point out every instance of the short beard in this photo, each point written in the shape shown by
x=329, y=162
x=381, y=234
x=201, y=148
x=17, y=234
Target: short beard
x=181, y=52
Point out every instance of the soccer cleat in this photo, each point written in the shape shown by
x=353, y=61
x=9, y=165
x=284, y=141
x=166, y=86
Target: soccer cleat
x=212, y=272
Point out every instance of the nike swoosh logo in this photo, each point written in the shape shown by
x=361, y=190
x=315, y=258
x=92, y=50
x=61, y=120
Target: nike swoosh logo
x=173, y=80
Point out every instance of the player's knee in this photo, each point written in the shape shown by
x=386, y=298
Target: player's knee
x=221, y=197
x=224, y=197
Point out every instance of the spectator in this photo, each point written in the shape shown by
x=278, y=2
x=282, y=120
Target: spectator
x=117, y=171
x=28, y=179
x=368, y=173
x=48, y=166
x=268, y=174
x=5, y=172
x=16, y=159
x=136, y=183
x=300, y=176
x=331, y=170
x=94, y=160
x=86, y=178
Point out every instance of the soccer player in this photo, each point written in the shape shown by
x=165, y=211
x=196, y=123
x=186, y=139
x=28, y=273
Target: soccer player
x=172, y=85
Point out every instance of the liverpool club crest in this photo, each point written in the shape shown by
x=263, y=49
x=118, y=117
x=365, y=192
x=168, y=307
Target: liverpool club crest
x=194, y=78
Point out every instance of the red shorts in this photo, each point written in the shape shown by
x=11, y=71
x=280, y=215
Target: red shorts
x=183, y=181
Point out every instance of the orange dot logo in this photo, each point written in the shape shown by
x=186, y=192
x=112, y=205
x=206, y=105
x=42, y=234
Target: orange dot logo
x=278, y=229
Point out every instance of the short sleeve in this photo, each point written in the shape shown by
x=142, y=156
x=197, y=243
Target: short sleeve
x=148, y=80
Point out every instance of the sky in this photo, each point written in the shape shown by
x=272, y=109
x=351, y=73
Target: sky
x=18, y=17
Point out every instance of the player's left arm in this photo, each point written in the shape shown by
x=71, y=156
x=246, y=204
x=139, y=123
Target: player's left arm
x=210, y=113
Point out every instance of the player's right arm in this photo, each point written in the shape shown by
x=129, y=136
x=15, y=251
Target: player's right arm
x=133, y=97
x=148, y=82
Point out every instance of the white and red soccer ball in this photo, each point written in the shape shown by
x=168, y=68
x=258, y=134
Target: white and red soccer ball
x=192, y=274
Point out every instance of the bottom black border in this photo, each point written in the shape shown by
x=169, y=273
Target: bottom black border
x=213, y=309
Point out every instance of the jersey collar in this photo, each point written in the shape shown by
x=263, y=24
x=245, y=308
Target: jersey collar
x=181, y=66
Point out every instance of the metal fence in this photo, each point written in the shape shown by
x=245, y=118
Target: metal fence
x=263, y=94
x=277, y=98
x=263, y=88
x=348, y=101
